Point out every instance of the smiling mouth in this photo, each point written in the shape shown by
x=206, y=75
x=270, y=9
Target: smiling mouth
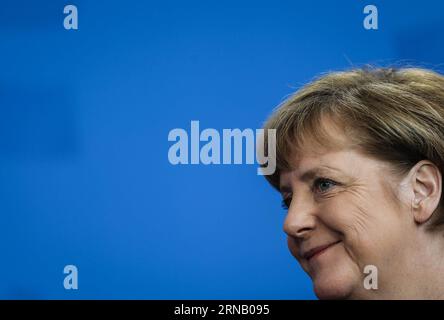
x=318, y=250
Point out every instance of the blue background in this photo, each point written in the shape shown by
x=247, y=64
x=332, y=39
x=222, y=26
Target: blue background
x=84, y=121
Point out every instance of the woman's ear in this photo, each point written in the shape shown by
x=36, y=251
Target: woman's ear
x=426, y=182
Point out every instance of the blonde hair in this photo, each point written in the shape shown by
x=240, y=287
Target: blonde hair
x=395, y=115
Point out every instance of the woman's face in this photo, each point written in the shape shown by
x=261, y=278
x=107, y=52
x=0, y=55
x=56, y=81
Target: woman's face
x=343, y=215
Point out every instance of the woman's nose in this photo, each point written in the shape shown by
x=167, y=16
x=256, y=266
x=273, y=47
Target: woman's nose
x=300, y=220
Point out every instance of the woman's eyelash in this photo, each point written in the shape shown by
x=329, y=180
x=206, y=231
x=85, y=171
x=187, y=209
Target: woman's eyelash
x=320, y=185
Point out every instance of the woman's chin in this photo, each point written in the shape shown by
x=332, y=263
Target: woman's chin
x=334, y=285
x=332, y=292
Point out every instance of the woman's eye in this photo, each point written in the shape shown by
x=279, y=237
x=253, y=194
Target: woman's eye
x=322, y=185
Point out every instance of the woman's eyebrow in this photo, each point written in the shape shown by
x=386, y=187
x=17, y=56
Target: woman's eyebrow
x=310, y=175
x=317, y=171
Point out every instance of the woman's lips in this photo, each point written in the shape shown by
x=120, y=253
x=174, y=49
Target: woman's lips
x=318, y=250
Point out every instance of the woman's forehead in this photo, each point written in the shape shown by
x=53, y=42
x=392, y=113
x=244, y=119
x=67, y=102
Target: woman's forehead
x=308, y=157
x=345, y=162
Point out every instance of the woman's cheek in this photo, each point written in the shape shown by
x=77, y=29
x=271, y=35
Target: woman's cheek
x=335, y=213
x=348, y=223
